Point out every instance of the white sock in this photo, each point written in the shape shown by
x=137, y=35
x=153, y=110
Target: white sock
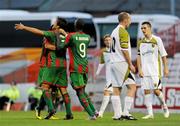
x=161, y=98
x=148, y=103
x=116, y=103
x=128, y=101
x=104, y=104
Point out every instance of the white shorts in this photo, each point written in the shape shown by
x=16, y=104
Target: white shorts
x=151, y=83
x=108, y=87
x=118, y=73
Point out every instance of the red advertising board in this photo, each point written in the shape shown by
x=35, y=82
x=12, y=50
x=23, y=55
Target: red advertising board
x=172, y=98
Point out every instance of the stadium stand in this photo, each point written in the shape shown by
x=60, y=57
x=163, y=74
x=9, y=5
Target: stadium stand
x=92, y=6
x=174, y=72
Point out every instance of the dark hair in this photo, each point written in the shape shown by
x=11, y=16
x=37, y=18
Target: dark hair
x=122, y=16
x=79, y=24
x=51, y=27
x=147, y=23
x=13, y=83
x=62, y=23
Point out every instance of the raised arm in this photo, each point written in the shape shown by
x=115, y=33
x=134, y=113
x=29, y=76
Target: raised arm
x=29, y=29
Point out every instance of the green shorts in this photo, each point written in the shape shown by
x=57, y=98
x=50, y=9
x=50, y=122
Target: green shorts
x=78, y=80
x=39, y=80
x=55, y=76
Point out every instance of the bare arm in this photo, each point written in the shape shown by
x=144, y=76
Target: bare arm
x=166, y=70
x=128, y=60
x=50, y=46
x=63, y=32
x=29, y=29
x=139, y=66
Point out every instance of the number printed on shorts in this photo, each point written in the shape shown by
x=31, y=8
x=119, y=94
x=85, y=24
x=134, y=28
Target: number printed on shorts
x=113, y=45
x=82, y=49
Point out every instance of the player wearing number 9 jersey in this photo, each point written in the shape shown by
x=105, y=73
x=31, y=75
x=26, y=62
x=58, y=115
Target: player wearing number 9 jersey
x=77, y=44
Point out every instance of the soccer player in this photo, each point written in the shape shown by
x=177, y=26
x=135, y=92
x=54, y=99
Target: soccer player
x=151, y=54
x=122, y=68
x=55, y=72
x=77, y=44
x=105, y=60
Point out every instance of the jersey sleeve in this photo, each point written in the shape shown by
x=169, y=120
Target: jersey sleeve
x=161, y=48
x=124, y=38
x=102, y=59
x=49, y=34
x=67, y=42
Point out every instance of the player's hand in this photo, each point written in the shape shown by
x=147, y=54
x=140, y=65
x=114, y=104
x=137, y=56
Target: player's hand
x=62, y=31
x=141, y=74
x=19, y=26
x=47, y=45
x=132, y=68
x=166, y=71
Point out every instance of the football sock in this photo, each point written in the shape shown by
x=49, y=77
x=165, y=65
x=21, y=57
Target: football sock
x=116, y=103
x=48, y=100
x=104, y=104
x=90, y=102
x=128, y=101
x=67, y=102
x=161, y=98
x=148, y=103
x=84, y=102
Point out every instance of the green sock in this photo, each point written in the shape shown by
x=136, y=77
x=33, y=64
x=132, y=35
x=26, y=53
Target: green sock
x=67, y=102
x=90, y=102
x=84, y=102
x=48, y=100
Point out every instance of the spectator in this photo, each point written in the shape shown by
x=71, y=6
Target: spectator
x=34, y=95
x=9, y=96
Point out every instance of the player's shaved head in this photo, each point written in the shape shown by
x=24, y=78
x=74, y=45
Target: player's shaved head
x=122, y=16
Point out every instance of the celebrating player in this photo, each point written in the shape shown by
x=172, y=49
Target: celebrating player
x=77, y=44
x=55, y=72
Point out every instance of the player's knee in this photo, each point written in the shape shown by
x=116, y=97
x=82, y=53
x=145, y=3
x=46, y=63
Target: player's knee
x=116, y=91
x=79, y=91
x=147, y=92
x=132, y=88
x=63, y=90
x=45, y=86
x=106, y=93
x=157, y=92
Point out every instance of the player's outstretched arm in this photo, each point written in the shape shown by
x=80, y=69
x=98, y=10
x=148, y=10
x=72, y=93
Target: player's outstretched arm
x=29, y=29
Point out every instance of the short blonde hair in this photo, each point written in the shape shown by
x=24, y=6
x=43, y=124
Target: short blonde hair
x=106, y=36
x=122, y=16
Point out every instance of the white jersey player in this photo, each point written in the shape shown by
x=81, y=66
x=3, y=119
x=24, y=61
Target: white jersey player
x=122, y=68
x=105, y=60
x=151, y=53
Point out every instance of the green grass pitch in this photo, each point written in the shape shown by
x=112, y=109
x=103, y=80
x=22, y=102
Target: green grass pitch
x=80, y=119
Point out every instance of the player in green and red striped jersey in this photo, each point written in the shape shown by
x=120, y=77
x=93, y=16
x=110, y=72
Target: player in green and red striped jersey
x=55, y=70
x=77, y=44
